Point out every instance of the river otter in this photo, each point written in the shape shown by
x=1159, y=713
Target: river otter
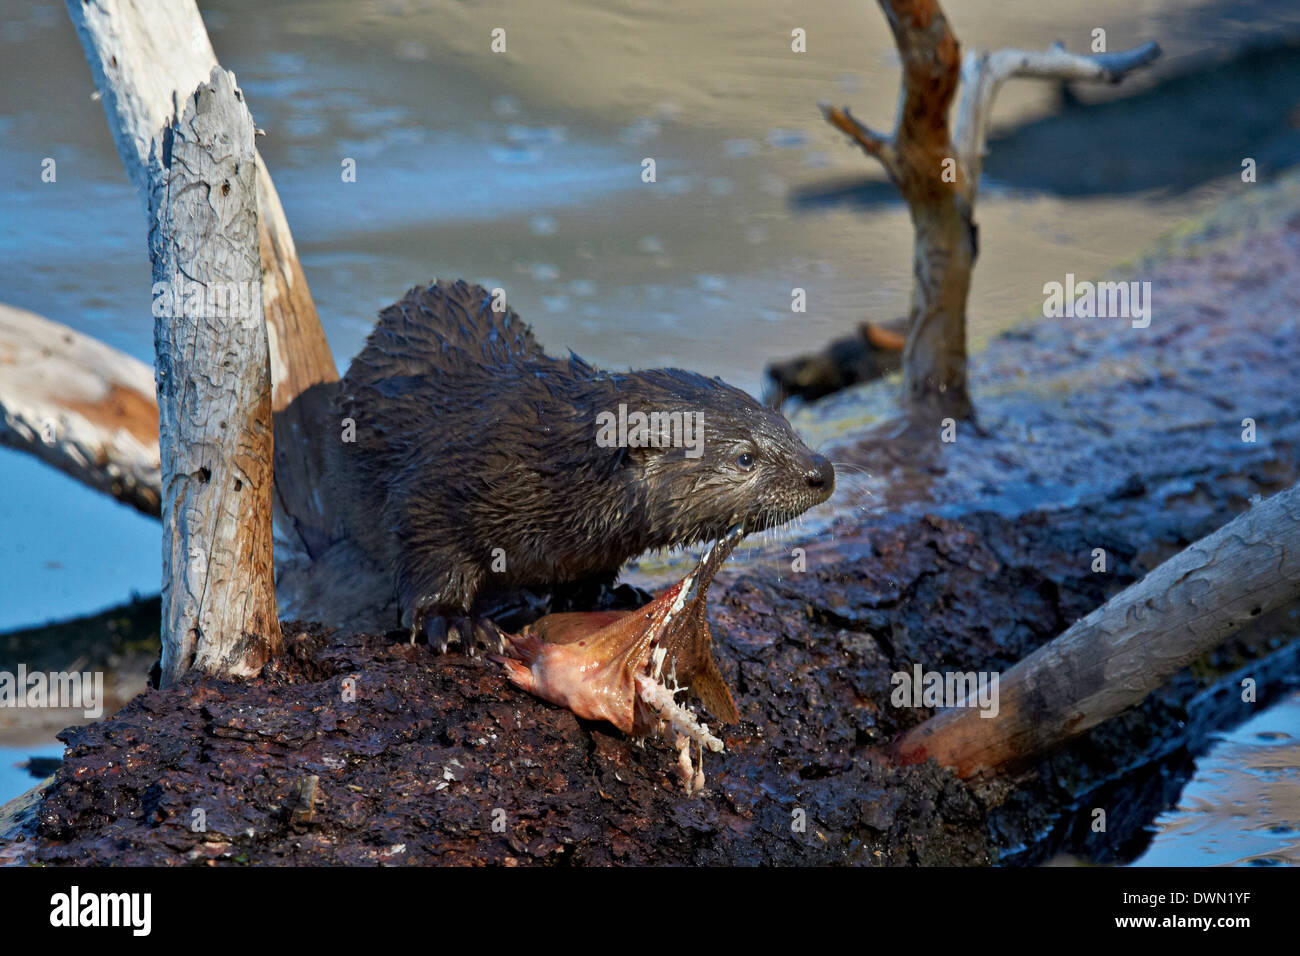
x=480, y=462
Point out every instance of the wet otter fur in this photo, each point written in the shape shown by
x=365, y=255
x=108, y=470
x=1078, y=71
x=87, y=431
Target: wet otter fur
x=475, y=465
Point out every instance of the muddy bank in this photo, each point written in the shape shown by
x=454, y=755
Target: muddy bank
x=436, y=749
x=952, y=556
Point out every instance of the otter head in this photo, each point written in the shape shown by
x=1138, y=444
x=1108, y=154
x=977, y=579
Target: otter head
x=710, y=457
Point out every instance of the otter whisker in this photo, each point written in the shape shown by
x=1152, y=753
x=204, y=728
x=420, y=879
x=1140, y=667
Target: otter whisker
x=842, y=466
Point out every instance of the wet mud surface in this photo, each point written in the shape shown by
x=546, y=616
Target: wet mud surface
x=966, y=556
x=437, y=760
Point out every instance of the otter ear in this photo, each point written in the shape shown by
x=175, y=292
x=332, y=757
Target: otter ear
x=639, y=439
x=647, y=458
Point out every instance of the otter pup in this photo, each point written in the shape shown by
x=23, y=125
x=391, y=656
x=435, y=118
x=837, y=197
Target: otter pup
x=480, y=462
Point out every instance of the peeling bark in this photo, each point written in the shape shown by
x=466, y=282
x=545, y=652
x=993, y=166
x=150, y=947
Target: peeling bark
x=214, y=394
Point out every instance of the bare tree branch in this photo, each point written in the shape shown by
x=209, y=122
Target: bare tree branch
x=920, y=161
x=81, y=406
x=1058, y=63
x=873, y=144
x=938, y=175
x=983, y=74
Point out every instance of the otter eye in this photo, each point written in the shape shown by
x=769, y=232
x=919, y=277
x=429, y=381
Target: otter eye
x=745, y=462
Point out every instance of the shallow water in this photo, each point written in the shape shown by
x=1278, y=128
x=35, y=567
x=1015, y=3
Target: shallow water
x=15, y=778
x=1242, y=807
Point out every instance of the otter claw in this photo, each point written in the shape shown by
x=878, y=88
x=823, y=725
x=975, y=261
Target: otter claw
x=435, y=630
x=459, y=632
x=471, y=633
x=489, y=635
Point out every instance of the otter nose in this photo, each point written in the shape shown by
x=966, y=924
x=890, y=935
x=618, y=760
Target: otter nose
x=821, y=476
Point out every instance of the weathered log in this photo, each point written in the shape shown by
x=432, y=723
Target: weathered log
x=214, y=392
x=1111, y=659
x=937, y=174
x=81, y=406
x=147, y=56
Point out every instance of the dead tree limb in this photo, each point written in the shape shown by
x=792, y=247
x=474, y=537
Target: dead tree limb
x=1111, y=659
x=982, y=75
x=938, y=176
x=934, y=359
x=81, y=406
x=214, y=392
x=147, y=57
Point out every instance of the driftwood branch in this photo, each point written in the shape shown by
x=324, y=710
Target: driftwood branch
x=1111, y=659
x=214, y=392
x=81, y=406
x=938, y=175
x=983, y=74
x=147, y=57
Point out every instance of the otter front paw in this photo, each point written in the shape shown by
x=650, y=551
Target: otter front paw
x=471, y=633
